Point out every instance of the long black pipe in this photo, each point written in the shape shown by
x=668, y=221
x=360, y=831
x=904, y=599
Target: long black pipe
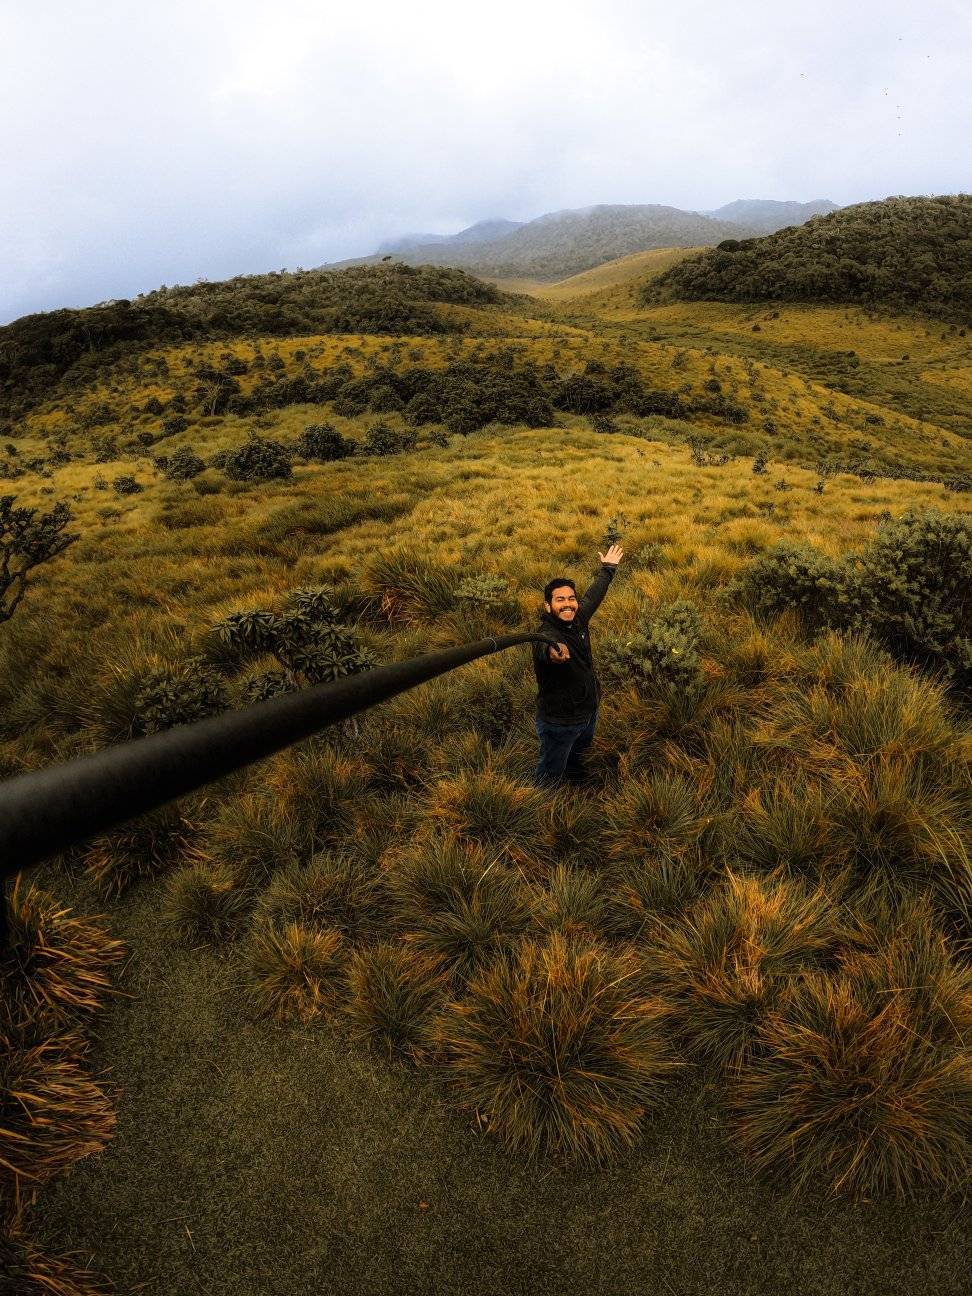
x=45, y=812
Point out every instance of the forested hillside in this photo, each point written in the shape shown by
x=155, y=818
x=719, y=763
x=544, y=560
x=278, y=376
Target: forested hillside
x=907, y=253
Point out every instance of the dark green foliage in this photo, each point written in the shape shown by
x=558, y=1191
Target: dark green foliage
x=182, y=465
x=793, y=575
x=383, y=439
x=912, y=589
x=664, y=650
x=168, y=698
x=306, y=639
x=258, y=459
x=27, y=540
x=908, y=252
x=39, y=351
x=323, y=442
x=125, y=484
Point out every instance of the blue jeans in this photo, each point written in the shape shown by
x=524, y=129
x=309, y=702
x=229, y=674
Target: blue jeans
x=561, y=749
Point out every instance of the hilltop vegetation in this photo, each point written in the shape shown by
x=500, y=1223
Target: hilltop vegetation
x=389, y=1004
x=906, y=253
x=67, y=347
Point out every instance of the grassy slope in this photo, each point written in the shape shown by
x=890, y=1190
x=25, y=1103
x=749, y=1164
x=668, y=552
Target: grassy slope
x=295, y=1163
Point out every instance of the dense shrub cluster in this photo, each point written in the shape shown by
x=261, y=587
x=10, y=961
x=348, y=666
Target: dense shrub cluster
x=257, y=459
x=664, y=649
x=908, y=252
x=323, y=442
x=306, y=638
x=38, y=351
x=911, y=588
x=167, y=698
x=181, y=465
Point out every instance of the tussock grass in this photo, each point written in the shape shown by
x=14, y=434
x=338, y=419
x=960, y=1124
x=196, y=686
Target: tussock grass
x=864, y=1078
x=651, y=813
x=335, y=890
x=295, y=973
x=142, y=848
x=53, y=1113
x=393, y=994
x=206, y=904
x=557, y=1049
x=723, y=965
x=490, y=809
x=55, y=968
x=455, y=900
x=251, y=837
x=31, y=1271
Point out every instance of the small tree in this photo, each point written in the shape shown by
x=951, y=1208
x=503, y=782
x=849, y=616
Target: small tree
x=26, y=541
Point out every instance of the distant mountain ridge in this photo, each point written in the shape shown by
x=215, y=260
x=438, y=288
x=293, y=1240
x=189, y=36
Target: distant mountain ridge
x=769, y=215
x=483, y=231
x=563, y=243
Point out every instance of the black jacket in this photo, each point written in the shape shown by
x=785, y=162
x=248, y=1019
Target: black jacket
x=569, y=691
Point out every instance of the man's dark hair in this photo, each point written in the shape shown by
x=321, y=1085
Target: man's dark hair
x=551, y=585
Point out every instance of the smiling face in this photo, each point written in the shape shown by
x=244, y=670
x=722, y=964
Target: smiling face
x=563, y=603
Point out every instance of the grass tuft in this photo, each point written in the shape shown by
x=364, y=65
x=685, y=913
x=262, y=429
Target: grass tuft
x=52, y=1112
x=205, y=904
x=393, y=995
x=455, y=901
x=54, y=970
x=724, y=964
x=864, y=1078
x=558, y=1050
x=296, y=974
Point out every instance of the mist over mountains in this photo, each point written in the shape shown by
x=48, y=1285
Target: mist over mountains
x=566, y=242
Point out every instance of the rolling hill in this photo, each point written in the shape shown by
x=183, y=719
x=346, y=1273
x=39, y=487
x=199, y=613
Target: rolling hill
x=909, y=253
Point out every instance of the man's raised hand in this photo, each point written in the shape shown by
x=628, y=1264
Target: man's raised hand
x=613, y=555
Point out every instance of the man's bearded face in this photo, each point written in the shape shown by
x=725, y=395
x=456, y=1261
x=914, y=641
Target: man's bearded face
x=563, y=604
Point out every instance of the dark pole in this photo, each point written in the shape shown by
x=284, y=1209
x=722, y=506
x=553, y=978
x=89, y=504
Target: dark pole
x=45, y=812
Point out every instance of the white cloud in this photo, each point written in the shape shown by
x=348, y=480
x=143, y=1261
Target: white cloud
x=168, y=141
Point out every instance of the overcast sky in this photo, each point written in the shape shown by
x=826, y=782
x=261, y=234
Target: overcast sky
x=144, y=143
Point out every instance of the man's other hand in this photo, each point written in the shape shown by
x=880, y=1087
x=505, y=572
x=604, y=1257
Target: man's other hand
x=560, y=653
x=613, y=555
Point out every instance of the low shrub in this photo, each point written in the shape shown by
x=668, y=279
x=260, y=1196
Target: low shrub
x=323, y=442
x=258, y=459
x=664, y=650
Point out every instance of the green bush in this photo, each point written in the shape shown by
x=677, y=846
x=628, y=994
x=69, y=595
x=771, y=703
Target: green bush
x=168, y=698
x=382, y=439
x=912, y=590
x=258, y=459
x=663, y=651
x=323, y=442
x=182, y=465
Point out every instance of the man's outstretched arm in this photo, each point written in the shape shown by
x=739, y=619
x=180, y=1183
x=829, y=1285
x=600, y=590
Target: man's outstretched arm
x=599, y=585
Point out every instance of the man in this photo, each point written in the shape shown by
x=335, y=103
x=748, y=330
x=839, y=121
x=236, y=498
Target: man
x=569, y=692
